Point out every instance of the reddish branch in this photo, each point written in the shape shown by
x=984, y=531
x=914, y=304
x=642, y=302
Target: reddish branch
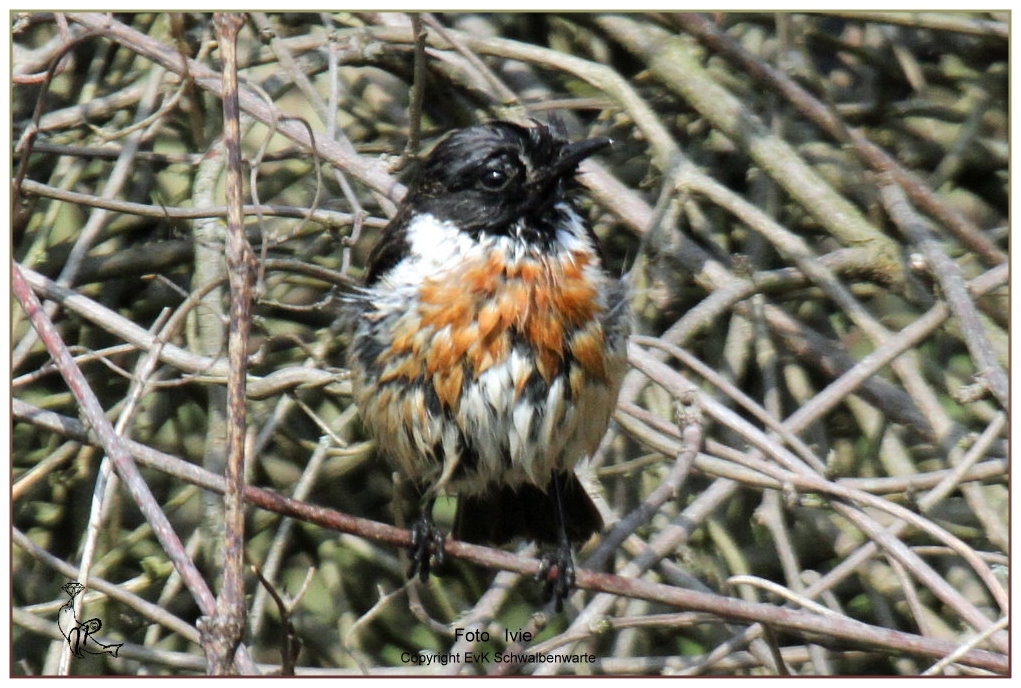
x=221, y=634
x=114, y=446
x=821, y=629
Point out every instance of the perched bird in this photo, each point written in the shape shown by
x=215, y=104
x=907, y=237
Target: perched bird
x=488, y=342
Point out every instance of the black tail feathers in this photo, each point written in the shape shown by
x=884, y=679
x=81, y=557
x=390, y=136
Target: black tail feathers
x=526, y=511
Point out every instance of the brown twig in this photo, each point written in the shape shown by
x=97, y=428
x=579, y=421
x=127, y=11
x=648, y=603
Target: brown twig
x=114, y=447
x=111, y=590
x=787, y=620
x=329, y=218
x=370, y=173
x=825, y=118
x=954, y=289
x=938, y=21
x=28, y=138
x=203, y=367
x=729, y=267
x=677, y=67
x=222, y=632
x=416, y=99
x=802, y=479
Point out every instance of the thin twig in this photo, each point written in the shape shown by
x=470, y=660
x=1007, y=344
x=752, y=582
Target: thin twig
x=222, y=633
x=371, y=173
x=707, y=32
x=329, y=218
x=203, y=367
x=112, y=444
x=788, y=620
x=416, y=99
x=952, y=282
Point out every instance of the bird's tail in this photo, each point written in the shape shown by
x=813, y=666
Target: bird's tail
x=504, y=513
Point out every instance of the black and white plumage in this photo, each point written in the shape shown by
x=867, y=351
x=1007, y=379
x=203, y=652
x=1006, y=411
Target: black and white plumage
x=488, y=341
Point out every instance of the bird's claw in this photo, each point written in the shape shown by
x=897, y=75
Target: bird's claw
x=427, y=541
x=556, y=571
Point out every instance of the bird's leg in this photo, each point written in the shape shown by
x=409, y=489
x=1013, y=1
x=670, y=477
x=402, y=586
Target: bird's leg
x=426, y=542
x=556, y=567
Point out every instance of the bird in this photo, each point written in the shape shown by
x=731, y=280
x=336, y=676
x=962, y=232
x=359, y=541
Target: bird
x=488, y=343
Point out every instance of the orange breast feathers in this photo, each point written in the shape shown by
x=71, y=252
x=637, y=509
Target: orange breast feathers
x=467, y=320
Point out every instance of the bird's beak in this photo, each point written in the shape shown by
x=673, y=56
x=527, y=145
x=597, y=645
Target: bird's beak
x=573, y=153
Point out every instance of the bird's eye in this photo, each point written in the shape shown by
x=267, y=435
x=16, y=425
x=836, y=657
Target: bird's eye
x=494, y=180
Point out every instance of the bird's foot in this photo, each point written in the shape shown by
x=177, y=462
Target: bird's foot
x=556, y=570
x=427, y=541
